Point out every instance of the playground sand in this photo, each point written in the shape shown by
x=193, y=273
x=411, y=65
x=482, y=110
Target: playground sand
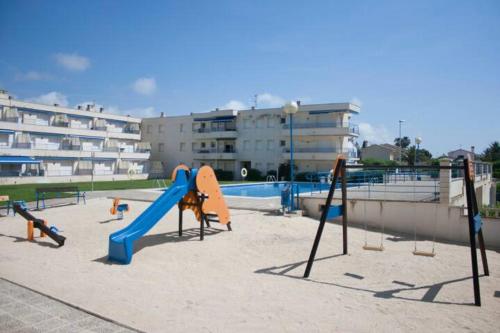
x=249, y=279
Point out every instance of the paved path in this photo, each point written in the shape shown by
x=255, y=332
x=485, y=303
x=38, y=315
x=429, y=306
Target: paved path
x=23, y=310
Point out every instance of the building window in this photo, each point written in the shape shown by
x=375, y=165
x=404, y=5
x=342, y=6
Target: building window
x=282, y=143
x=270, y=122
x=203, y=145
x=212, y=144
x=282, y=120
x=182, y=146
x=149, y=128
x=270, y=144
x=246, y=145
x=246, y=123
x=161, y=147
x=160, y=128
x=258, y=145
x=181, y=128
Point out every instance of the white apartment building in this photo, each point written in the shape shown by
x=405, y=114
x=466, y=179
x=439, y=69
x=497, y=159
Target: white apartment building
x=50, y=143
x=255, y=138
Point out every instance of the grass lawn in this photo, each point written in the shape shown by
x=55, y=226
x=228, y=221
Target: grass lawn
x=26, y=192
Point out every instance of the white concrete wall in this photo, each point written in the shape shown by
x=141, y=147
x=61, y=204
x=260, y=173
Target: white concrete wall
x=448, y=223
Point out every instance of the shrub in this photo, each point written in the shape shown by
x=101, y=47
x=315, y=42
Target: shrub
x=254, y=175
x=224, y=175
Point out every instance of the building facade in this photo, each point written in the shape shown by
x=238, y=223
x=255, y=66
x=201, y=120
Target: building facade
x=386, y=152
x=257, y=138
x=49, y=143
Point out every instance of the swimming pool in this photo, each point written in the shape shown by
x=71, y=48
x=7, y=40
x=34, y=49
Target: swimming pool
x=266, y=190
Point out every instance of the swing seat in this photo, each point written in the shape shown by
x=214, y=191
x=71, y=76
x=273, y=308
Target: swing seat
x=373, y=248
x=424, y=253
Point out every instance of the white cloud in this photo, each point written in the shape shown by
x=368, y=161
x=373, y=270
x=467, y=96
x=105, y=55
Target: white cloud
x=51, y=98
x=73, y=62
x=234, y=105
x=374, y=134
x=32, y=76
x=135, y=112
x=145, y=85
x=269, y=100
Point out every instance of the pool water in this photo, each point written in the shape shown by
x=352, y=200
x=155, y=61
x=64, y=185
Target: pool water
x=265, y=190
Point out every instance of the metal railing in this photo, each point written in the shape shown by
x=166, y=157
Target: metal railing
x=215, y=151
x=212, y=130
x=348, y=152
x=353, y=128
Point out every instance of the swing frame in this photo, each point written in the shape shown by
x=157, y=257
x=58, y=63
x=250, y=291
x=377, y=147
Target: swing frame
x=475, y=224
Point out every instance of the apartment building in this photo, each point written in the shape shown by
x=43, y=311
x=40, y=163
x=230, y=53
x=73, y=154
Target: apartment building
x=255, y=138
x=50, y=143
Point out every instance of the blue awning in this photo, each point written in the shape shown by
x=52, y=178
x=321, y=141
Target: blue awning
x=18, y=160
x=4, y=131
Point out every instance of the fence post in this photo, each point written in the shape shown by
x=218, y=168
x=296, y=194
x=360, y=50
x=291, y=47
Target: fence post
x=444, y=181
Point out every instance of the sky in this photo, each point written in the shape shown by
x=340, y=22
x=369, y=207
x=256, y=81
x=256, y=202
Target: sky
x=434, y=64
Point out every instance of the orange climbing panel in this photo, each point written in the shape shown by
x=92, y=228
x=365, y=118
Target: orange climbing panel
x=207, y=183
x=191, y=198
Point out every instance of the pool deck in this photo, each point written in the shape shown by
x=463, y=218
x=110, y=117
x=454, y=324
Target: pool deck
x=249, y=279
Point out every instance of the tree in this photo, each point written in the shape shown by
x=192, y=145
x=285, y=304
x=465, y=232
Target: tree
x=423, y=156
x=492, y=153
x=405, y=142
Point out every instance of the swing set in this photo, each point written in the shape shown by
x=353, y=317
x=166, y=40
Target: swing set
x=475, y=224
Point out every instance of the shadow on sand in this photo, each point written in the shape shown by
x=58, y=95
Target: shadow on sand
x=37, y=241
x=188, y=235
x=429, y=296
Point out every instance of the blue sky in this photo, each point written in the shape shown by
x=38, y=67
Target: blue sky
x=433, y=63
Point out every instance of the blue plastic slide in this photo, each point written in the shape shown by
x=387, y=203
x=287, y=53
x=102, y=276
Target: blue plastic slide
x=121, y=243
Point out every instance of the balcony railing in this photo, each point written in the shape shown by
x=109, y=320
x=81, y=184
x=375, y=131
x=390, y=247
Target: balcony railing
x=215, y=151
x=348, y=152
x=353, y=128
x=212, y=130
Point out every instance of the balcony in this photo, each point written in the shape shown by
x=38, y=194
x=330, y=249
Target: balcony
x=215, y=133
x=318, y=153
x=215, y=154
x=325, y=128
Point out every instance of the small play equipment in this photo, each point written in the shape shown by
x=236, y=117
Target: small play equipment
x=475, y=223
x=193, y=189
x=118, y=209
x=72, y=191
x=33, y=223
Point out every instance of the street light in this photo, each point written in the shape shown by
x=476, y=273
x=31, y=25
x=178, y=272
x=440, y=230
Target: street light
x=290, y=109
x=400, y=143
x=418, y=141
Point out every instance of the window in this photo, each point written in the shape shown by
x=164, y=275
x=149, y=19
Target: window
x=270, y=122
x=261, y=122
x=181, y=128
x=149, y=128
x=161, y=147
x=270, y=144
x=246, y=123
x=203, y=145
x=246, y=145
x=182, y=146
x=282, y=120
x=160, y=128
x=258, y=145
x=212, y=144
x=282, y=143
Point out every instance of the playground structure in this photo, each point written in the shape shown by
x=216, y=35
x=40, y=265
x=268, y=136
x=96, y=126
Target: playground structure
x=118, y=209
x=33, y=222
x=197, y=190
x=330, y=211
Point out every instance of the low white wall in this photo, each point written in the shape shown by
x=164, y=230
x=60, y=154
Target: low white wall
x=66, y=179
x=449, y=223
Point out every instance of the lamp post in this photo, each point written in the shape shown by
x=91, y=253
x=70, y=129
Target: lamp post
x=291, y=108
x=418, y=141
x=400, y=143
